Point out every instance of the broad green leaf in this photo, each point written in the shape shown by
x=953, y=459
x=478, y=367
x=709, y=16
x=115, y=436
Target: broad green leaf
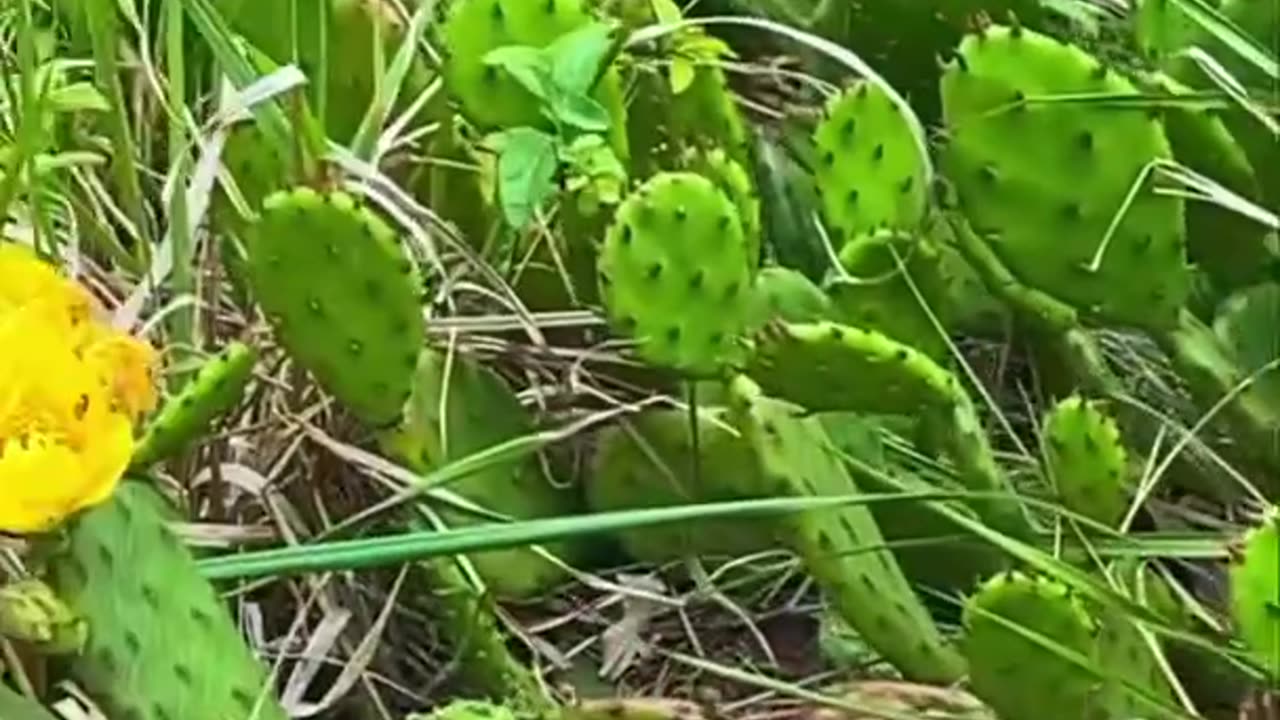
x=579, y=111
x=527, y=64
x=666, y=11
x=680, y=74
x=576, y=57
x=527, y=161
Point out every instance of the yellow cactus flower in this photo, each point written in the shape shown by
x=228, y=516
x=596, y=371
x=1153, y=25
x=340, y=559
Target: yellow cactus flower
x=71, y=391
x=25, y=279
x=127, y=365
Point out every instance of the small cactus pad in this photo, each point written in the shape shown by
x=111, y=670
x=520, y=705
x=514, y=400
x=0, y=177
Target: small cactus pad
x=1020, y=678
x=467, y=710
x=213, y=392
x=488, y=95
x=1248, y=323
x=843, y=549
x=161, y=643
x=648, y=462
x=31, y=612
x=1255, y=593
x=783, y=294
x=674, y=273
x=459, y=408
x=1086, y=460
x=486, y=664
x=1230, y=247
x=1043, y=178
x=736, y=182
x=342, y=295
x=827, y=366
x=870, y=170
x=874, y=292
x=705, y=114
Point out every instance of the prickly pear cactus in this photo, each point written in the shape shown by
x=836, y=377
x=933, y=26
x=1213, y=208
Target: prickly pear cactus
x=1255, y=593
x=828, y=366
x=1019, y=678
x=1248, y=323
x=875, y=292
x=215, y=390
x=1230, y=248
x=1086, y=461
x=870, y=170
x=459, y=408
x=1043, y=180
x=781, y=293
x=467, y=710
x=342, y=295
x=14, y=705
x=648, y=462
x=161, y=643
x=485, y=662
x=490, y=97
x=314, y=35
x=675, y=275
x=736, y=182
x=866, y=587
x=31, y=612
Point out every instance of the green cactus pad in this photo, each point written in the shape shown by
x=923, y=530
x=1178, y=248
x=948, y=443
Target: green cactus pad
x=161, y=643
x=486, y=664
x=1042, y=177
x=675, y=275
x=734, y=180
x=705, y=114
x=1086, y=460
x=1230, y=247
x=648, y=462
x=827, y=366
x=1019, y=678
x=20, y=707
x=467, y=710
x=342, y=295
x=1248, y=323
x=213, y=392
x=783, y=294
x=31, y=612
x=864, y=585
x=293, y=33
x=489, y=97
x=459, y=408
x=873, y=293
x=870, y=171
x=1255, y=593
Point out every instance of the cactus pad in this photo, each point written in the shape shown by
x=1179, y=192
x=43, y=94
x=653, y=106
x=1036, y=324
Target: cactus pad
x=459, y=408
x=1086, y=460
x=1018, y=677
x=827, y=366
x=1249, y=324
x=870, y=172
x=161, y=643
x=1043, y=177
x=874, y=293
x=648, y=462
x=783, y=294
x=342, y=295
x=214, y=391
x=734, y=180
x=675, y=275
x=864, y=585
x=31, y=612
x=1255, y=593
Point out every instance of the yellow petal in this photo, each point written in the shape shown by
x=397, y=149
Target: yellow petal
x=103, y=460
x=25, y=279
x=127, y=366
x=33, y=484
